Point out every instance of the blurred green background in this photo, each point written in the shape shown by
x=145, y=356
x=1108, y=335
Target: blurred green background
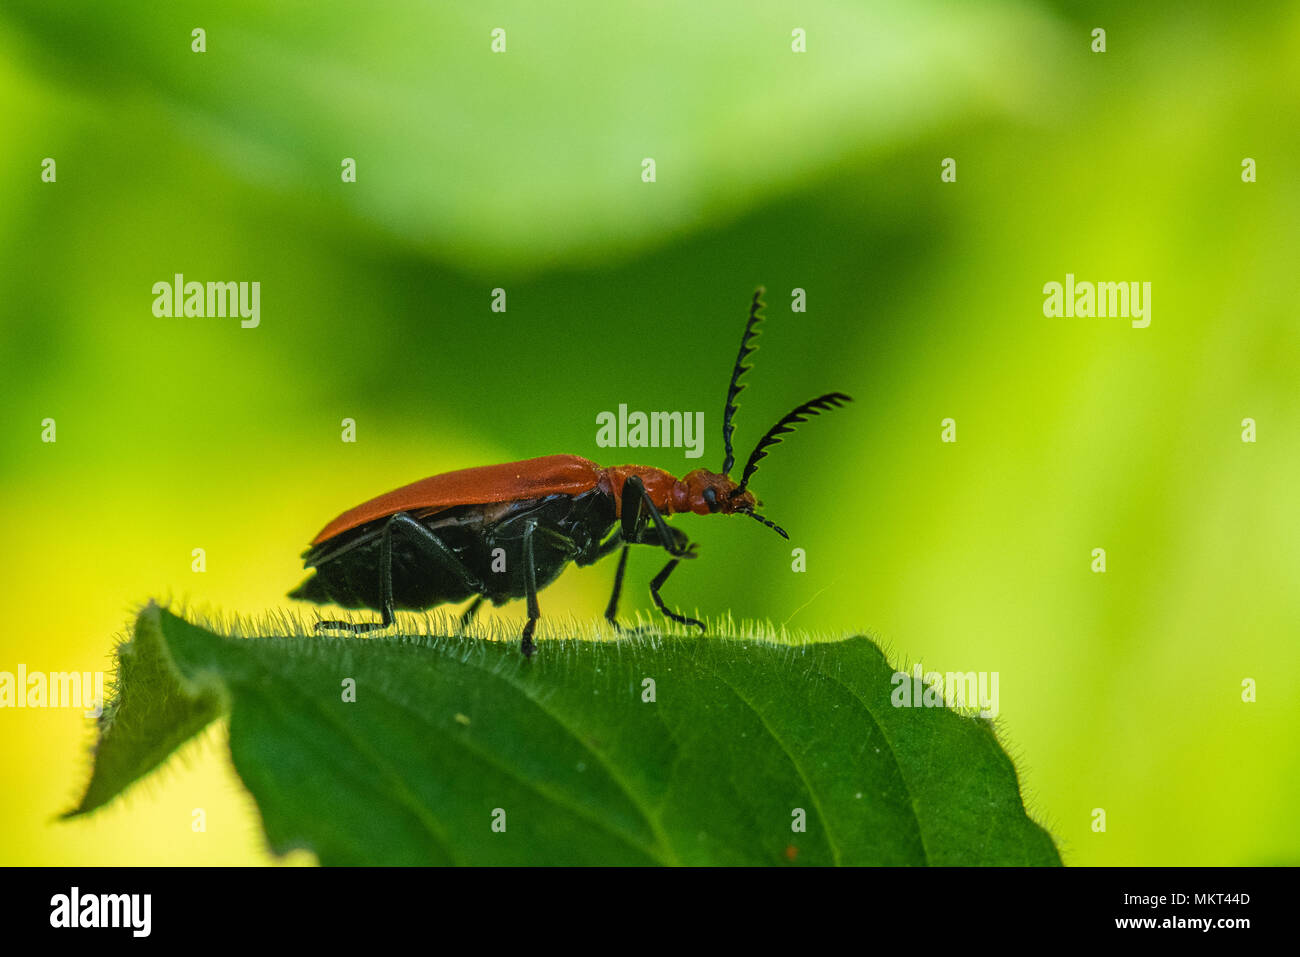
x=818, y=170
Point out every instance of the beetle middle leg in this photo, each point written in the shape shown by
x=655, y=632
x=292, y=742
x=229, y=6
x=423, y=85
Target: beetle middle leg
x=611, y=610
x=531, y=531
x=431, y=545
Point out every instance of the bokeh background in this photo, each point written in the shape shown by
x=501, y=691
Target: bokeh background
x=818, y=170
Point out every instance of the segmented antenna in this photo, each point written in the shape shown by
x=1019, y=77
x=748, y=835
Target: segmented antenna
x=751, y=329
x=823, y=403
x=769, y=523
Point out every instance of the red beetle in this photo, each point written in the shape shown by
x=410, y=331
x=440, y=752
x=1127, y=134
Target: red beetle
x=506, y=531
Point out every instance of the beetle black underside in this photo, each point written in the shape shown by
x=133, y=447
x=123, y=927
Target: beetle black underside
x=459, y=558
x=415, y=561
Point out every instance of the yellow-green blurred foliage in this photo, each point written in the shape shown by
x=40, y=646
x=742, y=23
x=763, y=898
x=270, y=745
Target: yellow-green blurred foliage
x=818, y=170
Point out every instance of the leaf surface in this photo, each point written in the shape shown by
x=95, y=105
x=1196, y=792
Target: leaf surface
x=449, y=735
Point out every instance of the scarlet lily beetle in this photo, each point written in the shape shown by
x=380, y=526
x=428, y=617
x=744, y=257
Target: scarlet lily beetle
x=506, y=531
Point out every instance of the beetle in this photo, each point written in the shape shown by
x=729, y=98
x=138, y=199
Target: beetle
x=502, y=532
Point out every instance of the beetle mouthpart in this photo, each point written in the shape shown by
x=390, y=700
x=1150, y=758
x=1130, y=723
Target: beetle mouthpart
x=737, y=492
x=772, y=525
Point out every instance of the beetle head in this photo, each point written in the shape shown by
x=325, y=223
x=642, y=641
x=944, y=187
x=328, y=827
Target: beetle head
x=706, y=493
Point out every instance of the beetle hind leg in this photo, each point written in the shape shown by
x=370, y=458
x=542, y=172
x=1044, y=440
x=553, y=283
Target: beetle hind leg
x=434, y=548
x=386, y=582
x=356, y=627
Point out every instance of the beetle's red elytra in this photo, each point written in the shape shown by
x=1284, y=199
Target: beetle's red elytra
x=503, y=532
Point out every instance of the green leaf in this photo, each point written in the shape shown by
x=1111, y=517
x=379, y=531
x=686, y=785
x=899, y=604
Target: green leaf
x=446, y=734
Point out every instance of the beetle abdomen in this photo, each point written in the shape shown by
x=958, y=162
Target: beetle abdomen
x=483, y=544
x=351, y=578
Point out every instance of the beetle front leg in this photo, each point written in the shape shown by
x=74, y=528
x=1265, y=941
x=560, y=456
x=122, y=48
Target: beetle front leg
x=611, y=610
x=657, y=584
x=673, y=540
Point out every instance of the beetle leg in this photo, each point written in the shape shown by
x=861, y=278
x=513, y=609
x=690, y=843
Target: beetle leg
x=531, y=531
x=658, y=583
x=530, y=590
x=468, y=614
x=673, y=540
x=607, y=546
x=386, y=586
x=436, y=550
x=611, y=611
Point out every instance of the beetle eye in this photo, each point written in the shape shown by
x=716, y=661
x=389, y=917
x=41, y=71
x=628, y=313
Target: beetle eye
x=711, y=498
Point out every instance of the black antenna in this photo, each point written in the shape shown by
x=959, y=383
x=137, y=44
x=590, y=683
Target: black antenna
x=823, y=403
x=770, y=524
x=734, y=390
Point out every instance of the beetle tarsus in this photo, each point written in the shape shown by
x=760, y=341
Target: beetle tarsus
x=356, y=627
x=468, y=614
x=526, y=645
